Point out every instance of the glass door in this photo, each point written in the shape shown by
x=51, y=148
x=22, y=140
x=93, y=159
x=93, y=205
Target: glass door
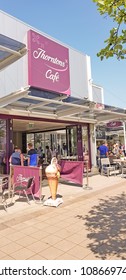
x=72, y=142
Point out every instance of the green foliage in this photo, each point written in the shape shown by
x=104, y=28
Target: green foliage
x=116, y=42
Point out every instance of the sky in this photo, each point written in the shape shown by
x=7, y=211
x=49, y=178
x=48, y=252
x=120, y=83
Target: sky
x=78, y=24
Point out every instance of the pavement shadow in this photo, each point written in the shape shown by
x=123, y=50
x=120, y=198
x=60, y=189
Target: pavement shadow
x=69, y=183
x=106, y=224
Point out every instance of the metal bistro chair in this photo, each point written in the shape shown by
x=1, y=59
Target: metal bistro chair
x=24, y=187
x=123, y=167
x=107, y=168
x=6, y=194
x=3, y=186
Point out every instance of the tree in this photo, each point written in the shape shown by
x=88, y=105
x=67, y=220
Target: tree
x=116, y=43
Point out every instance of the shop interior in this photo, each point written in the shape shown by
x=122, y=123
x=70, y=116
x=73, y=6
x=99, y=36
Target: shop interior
x=61, y=138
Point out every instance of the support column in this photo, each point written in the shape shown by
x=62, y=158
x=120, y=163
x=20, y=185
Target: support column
x=79, y=143
x=9, y=142
x=93, y=147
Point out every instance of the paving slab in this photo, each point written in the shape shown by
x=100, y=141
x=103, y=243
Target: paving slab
x=89, y=224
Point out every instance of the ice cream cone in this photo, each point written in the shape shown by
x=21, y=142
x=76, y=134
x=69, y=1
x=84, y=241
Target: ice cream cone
x=53, y=184
x=53, y=173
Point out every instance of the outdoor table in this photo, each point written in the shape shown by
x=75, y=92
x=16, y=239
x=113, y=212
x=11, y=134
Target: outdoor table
x=121, y=162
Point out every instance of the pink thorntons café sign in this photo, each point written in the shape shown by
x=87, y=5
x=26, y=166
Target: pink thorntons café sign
x=48, y=64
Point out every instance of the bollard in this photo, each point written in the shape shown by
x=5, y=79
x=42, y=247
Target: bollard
x=87, y=178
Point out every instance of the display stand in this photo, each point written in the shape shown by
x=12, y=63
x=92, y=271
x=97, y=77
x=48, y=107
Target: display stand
x=53, y=203
x=52, y=173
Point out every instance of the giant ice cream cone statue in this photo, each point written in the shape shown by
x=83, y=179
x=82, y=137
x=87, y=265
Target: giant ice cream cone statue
x=52, y=173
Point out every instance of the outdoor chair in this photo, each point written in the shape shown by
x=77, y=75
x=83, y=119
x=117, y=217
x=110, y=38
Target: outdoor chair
x=108, y=169
x=6, y=195
x=3, y=187
x=24, y=187
x=123, y=170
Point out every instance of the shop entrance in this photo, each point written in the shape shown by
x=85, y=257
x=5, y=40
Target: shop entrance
x=66, y=141
x=56, y=140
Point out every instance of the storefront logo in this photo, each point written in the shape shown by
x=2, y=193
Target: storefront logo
x=114, y=124
x=48, y=64
x=39, y=53
x=54, y=77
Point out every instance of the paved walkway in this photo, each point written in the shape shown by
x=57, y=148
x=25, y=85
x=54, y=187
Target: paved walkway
x=89, y=225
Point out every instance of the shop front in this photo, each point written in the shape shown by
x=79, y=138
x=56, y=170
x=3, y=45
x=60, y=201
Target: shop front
x=71, y=143
x=47, y=99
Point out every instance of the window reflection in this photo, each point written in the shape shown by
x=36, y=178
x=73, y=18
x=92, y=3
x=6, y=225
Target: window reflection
x=56, y=140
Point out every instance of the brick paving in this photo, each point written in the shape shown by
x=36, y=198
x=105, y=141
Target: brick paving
x=89, y=225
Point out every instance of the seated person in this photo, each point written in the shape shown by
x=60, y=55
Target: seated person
x=121, y=153
x=17, y=157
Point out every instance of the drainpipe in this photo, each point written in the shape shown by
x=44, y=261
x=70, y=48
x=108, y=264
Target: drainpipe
x=124, y=131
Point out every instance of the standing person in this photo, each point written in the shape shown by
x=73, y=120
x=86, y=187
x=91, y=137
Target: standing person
x=16, y=158
x=116, y=149
x=103, y=152
x=33, y=156
x=40, y=156
x=48, y=154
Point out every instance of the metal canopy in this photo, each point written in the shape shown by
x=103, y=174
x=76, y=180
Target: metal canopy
x=10, y=51
x=30, y=102
x=34, y=103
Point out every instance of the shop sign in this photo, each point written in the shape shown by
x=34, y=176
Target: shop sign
x=100, y=134
x=114, y=124
x=30, y=125
x=48, y=64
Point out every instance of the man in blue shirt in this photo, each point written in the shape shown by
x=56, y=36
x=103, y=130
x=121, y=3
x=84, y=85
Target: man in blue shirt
x=33, y=156
x=103, y=152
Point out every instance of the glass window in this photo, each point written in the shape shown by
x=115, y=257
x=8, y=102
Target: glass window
x=56, y=140
x=85, y=140
x=72, y=140
x=30, y=138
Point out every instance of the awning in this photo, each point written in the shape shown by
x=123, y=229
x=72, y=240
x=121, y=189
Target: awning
x=10, y=51
x=36, y=103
